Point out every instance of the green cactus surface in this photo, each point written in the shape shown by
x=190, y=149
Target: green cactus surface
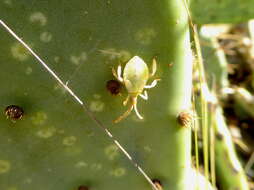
x=226, y=11
x=55, y=145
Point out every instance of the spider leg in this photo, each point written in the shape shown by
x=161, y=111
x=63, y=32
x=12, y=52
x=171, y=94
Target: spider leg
x=154, y=67
x=144, y=96
x=126, y=100
x=117, y=74
x=136, y=111
x=124, y=115
x=153, y=84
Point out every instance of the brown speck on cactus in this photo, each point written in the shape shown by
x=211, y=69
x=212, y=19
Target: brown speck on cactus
x=185, y=118
x=114, y=87
x=158, y=184
x=219, y=136
x=82, y=187
x=14, y=112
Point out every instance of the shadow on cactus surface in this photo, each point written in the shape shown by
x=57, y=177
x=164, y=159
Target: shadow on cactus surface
x=56, y=145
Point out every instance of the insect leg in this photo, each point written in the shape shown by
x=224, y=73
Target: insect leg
x=126, y=100
x=154, y=67
x=144, y=96
x=134, y=103
x=136, y=111
x=124, y=115
x=153, y=84
x=117, y=74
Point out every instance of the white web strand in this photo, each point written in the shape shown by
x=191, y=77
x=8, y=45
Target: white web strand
x=80, y=65
x=85, y=108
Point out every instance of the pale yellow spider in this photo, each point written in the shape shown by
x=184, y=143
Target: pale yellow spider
x=135, y=77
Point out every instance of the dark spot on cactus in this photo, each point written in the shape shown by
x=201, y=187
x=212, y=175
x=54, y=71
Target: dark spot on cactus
x=185, y=118
x=114, y=87
x=14, y=112
x=157, y=184
x=219, y=136
x=82, y=187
